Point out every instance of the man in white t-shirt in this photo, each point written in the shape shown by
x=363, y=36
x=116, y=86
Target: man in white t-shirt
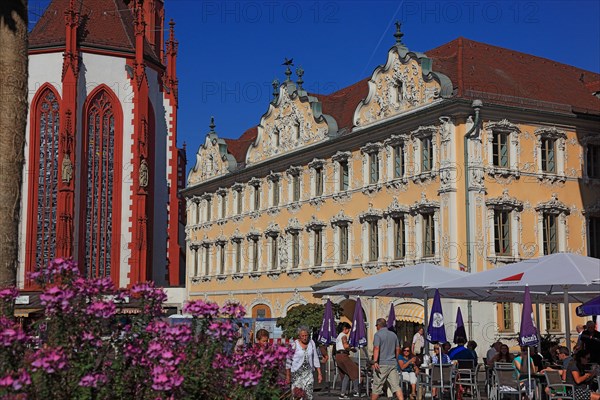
x=418, y=342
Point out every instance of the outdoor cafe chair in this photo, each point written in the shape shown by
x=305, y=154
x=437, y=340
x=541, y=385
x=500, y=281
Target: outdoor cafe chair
x=506, y=384
x=428, y=382
x=558, y=389
x=469, y=378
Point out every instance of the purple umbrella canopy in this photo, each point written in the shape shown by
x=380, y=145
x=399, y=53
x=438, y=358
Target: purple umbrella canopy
x=327, y=334
x=528, y=335
x=591, y=307
x=358, y=334
x=460, y=327
x=391, y=321
x=436, y=332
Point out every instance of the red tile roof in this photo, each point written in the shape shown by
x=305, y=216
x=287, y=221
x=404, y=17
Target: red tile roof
x=239, y=147
x=105, y=24
x=342, y=104
x=499, y=75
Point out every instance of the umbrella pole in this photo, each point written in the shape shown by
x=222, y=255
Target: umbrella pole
x=529, y=372
x=567, y=319
x=537, y=319
x=441, y=372
x=425, y=321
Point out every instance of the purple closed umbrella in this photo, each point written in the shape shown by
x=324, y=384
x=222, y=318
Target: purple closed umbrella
x=358, y=334
x=391, y=322
x=327, y=334
x=436, y=332
x=460, y=327
x=591, y=307
x=528, y=335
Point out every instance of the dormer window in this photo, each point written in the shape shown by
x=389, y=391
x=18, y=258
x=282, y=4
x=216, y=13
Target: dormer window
x=297, y=130
x=276, y=137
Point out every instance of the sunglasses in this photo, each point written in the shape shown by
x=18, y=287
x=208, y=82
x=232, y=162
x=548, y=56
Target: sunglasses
x=406, y=350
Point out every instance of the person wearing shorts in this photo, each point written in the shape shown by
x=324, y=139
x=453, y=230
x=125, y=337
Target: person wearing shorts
x=386, y=350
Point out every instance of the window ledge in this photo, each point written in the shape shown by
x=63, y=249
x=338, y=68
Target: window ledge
x=317, y=201
x=294, y=273
x=397, y=183
x=424, y=176
x=546, y=177
x=221, y=278
x=501, y=172
x=317, y=271
x=274, y=273
x=371, y=267
x=372, y=188
x=342, y=269
x=236, y=277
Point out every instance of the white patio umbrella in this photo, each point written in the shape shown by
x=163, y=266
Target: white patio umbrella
x=415, y=281
x=561, y=276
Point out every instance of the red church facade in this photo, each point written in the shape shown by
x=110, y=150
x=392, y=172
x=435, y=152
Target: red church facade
x=103, y=170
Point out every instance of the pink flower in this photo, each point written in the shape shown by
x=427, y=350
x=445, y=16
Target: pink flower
x=57, y=300
x=247, y=376
x=102, y=309
x=49, y=360
x=200, y=308
x=233, y=310
x=9, y=294
x=165, y=378
x=10, y=336
x=92, y=380
x=16, y=380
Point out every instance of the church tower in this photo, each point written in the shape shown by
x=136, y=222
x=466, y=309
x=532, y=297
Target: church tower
x=102, y=169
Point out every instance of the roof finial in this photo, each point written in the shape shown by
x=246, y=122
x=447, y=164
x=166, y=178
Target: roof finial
x=212, y=125
x=172, y=30
x=398, y=35
x=288, y=71
x=275, y=85
x=300, y=73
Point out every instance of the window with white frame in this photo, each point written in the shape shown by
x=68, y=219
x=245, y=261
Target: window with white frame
x=592, y=159
x=275, y=137
x=425, y=147
x=254, y=251
x=196, y=209
x=502, y=147
x=550, y=151
x=222, y=202
x=294, y=178
x=256, y=192
x=427, y=228
x=293, y=243
x=316, y=228
x=194, y=254
x=552, y=318
x=341, y=225
x=371, y=163
x=503, y=225
x=342, y=170
x=317, y=170
x=396, y=216
x=552, y=225
x=206, y=248
x=272, y=233
x=274, y=188
x=371, y=235
x=399, y=224
x=238, y=189
x=208, y=206
x=221, y=254
x=237, y=254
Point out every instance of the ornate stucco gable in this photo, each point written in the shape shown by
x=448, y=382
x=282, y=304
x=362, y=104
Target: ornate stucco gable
x=212, y=159
x=294, y=120
x=404, y=83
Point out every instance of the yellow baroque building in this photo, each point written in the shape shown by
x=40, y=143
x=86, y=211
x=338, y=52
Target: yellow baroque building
x=469, y=156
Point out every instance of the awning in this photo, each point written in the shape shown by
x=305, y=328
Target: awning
x=24, y=312
x=410, y=312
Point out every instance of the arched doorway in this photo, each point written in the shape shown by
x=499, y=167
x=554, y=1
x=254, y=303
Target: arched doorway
x=409, y=318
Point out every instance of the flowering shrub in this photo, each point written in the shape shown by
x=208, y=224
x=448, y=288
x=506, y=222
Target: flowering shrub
x=83, y=348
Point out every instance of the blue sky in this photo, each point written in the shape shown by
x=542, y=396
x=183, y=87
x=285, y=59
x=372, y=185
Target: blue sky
x=229, y=52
